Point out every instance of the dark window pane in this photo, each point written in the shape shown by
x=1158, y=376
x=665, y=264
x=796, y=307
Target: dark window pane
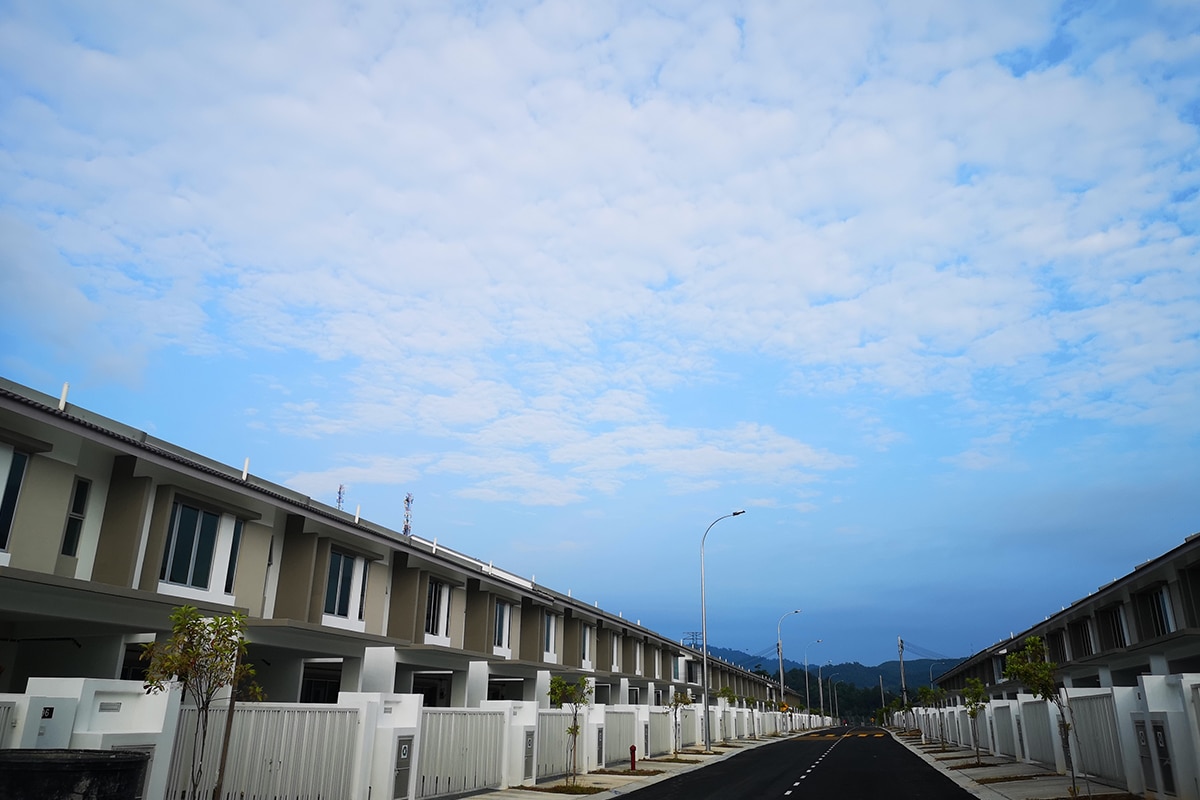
x=233, y=556
x=331, y=585
x=205, y=545
x=362, y=592
x=79, y=500
x=185, y=541
x=71, y=537
x=12, y=488
x=344, y=587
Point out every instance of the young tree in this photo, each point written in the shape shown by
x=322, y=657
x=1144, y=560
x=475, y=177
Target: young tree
x=1032, y=668
x=678, y=701
x=203, y=655
x=975, y=699
x=575, y=695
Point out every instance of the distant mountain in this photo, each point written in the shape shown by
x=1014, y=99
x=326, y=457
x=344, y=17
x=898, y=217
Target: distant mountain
x=916, y=671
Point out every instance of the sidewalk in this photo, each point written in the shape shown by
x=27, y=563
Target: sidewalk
x=1004, y=778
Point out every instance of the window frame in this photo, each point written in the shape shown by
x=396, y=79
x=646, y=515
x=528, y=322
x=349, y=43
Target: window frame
x=350, y=586
x=10, y=494
x=502, y=634
x=585, y=645
x=437, y=611
x=76, y=516
x=550, y=637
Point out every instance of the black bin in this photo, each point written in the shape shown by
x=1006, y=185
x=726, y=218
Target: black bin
x=72, y=774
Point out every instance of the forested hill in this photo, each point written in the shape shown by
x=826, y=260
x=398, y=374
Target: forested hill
x=916, y=671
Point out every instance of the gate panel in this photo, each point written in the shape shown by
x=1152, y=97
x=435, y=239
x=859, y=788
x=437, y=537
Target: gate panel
x=461, y=751
x=277, y=751
x=1096, y=734
x=1038, y=731
x=1005, y=740
x=620, y=731
x=553, y=743
x=660, y=733
x=687, y=717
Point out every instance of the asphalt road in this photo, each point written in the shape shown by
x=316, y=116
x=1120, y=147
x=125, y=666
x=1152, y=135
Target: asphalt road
x=840, y=764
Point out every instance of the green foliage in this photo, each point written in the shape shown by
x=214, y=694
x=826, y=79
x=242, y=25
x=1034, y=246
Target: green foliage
x=727, y=694
x=575, y=695
x=1032, y=668
x=975, y=699
x=203, y=655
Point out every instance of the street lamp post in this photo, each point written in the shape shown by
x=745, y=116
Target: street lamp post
x=832, y=713
x=779, y=647
x=807, y=700
x=821, y=690
x=704, y=630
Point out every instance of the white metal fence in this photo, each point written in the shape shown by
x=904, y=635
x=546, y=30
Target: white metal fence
x=1005, y=740
x=463, y=751
x=6, y=719
x=687, y=719
x=1096, y=731
x=660, y=733
x=553, y=743
x=620, y=731
x=277, y=751
x=1037, y=728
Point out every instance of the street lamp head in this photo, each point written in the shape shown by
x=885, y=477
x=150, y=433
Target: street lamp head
x=736, y=513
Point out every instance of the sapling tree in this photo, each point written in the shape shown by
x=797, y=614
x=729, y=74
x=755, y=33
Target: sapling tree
x=1031, y=667
x=678, y=701
x=203, y=655
x=975, y=699
x=575, y=695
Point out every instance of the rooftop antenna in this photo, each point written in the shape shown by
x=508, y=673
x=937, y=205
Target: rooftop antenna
x=408, y=501
x=341, y=496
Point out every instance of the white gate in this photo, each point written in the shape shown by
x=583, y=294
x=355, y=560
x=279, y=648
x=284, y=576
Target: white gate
x=660, y=733
x=553, y=743
x=1038, y=731
x=6, y=715
x=620, y=731
x=1005, y=740
x=461, y=751
x=276, y=751
x=687, y=722
x=1096, y=733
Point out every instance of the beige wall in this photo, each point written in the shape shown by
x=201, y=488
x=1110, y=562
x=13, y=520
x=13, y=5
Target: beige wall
x=121, y=531
x=297, y=560
x=156, y=537
x=377, y=595
x=406, y=598
x=250, y=581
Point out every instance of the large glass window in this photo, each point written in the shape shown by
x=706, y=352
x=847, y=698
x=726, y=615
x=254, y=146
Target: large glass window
x=1110, y=623
x=12, y=467
x=338, y=586
x=437, y=609
x=551, y=633
x=191, y=540
x=75, y=515
x=1154, y=613
x=585, y=646
x=503, y=617
x=231, y=571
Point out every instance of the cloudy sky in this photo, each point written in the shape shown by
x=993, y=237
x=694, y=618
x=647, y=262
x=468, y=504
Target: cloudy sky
x=916, y=284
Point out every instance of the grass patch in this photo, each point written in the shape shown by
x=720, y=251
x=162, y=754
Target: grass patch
x=674, y=760
x=563, y=788
x=1007, y=778
x=626, y=771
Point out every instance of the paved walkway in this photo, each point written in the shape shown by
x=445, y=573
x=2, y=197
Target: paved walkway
x=998, y=778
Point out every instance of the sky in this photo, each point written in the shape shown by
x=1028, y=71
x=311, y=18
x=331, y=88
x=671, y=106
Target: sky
x=917, y=285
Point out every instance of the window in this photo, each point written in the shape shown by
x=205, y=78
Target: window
x=500, y=640
x=191, y=542
x=340, y=584
x=231, y=571
x=1081, y=639
x=12, y=467
x=615, y=652
x=585, y=647
x=1056, y=647
x=1189, y=585
x=437, y=609
x=550, y=637
x=1154, y=613
x=362, y=592
x=675, y=667
x=75, y=515
x=1110, y=623
x=639, y=664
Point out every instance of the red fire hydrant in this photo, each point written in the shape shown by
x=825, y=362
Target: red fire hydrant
x=633, y=758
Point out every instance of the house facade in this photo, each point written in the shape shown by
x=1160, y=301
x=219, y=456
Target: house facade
x=104, y=529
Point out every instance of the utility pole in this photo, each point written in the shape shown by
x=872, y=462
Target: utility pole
x=903, y=686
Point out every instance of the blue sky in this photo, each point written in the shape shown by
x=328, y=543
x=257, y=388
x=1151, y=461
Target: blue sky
x=915, y=284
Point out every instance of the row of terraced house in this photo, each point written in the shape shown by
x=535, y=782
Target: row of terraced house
x=1128, y=673
x=414, y=658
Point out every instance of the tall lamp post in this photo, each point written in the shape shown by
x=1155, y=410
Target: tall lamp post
x=832, y=713
x=779, y=647
x=704, y=629
x=807, y=700
x=821, y=690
